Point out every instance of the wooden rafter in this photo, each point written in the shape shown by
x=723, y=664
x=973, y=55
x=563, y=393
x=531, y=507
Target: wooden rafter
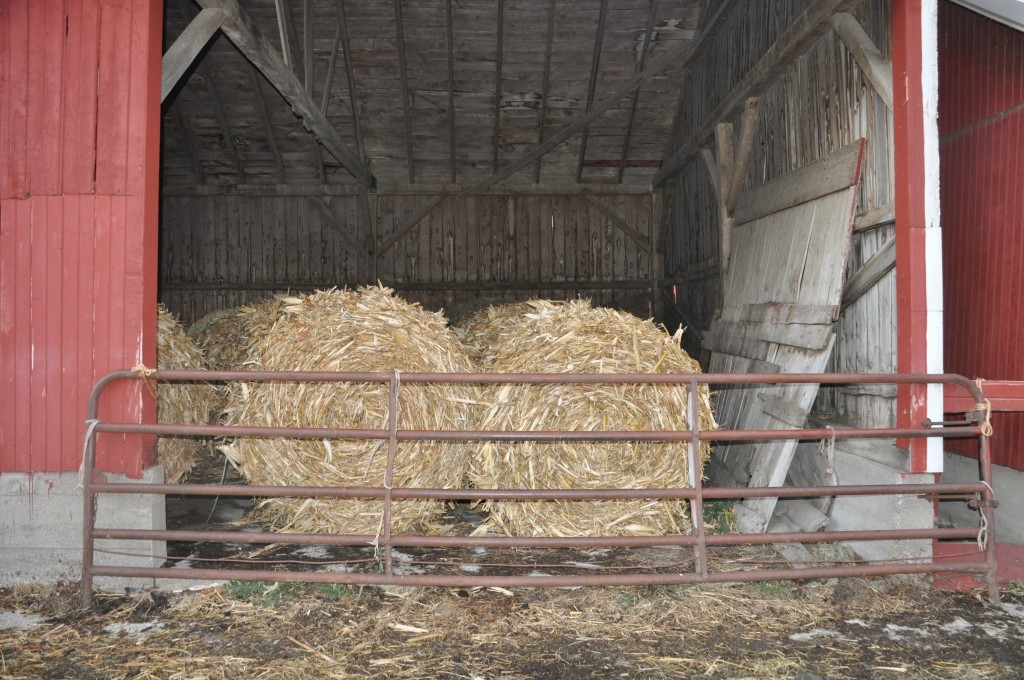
x=875, y=67
x=595, y=64
x=254, y=45
x=325, y=99
x=286, y=33
x=261, y=106
x=801, y=34
x=350, y=75
x=218, y=110
x=870, y=273
x=184, y=50
x=404, y=76
x=307, y=45
x=450, y=39
x=581, y=123
x=542, y=118
x=498, y=58
x=635, y=97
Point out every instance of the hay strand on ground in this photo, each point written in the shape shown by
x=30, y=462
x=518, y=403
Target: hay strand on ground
x=572, y=337
x=342, y=330
x=181, y=403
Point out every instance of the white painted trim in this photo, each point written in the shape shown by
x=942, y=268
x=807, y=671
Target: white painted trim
x=1009, y=12
x=933, y=234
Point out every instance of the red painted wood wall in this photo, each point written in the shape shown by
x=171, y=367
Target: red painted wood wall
x=79, y=180
x=981, y=147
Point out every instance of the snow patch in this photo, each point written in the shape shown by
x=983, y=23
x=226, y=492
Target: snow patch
x=897, y=633
x=955, y=626
x=314, y=552
x=136, y=630
x=19, y=620
x=857, y=622
x=813, y=634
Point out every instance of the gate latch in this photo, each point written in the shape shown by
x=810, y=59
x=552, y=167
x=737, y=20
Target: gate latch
x=979, y=503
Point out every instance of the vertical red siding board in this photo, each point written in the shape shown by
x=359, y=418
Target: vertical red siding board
x=86, y=305
x=35, y=148
x=6, y=55
x=16, y=158
x=52, y=115
x=112, y=89
x=36, y=278
x=101, y=310
x=117, y=355
x=69, y=336
x=52, y=236
x=22, y=213
x=8, y=327
x=82, y=174
x=71, y=98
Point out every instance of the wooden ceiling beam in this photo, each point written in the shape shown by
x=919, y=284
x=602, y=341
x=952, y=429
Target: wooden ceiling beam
x=239, y=27
x=794, y=43
x=545, y=86
x=595, y=64
x=449, y=31
x=499, y=49
x=581, y=123
x=635, y=97
x=184, y=50
x=403, y=74
x=350, y=75
x=261, y=107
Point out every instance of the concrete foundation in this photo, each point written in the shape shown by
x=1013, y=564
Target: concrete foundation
x=1008, y=485
x=850, y=513
x=41, y=529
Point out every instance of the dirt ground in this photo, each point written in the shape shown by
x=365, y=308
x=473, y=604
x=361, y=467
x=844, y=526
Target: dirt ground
x=845, y=628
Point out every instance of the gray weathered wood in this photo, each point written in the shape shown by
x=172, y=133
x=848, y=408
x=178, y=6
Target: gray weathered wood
x=307, y=46
x=498, y=60
x=876, y=267
x=331, y=67
x=542, y=116
x=656, y=67
x=285, y=32
x=261, y=106
x=801, y=34
x=350, y=75
x=190, y=145
x=450, y=44
x=742, y=159
x=876, y=217
x=313, y=189
x=184, y=50
x=621, y=224
x=724, y=154
x=875, y=67
x=635, y=97
x=797, y=554
x=403, y=75
x=410, y=224
x=336, y=224
x=830, y=174
x=595, y=65
x=239, y=27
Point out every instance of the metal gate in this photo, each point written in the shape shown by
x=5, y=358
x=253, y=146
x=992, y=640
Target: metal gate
x=979, y=493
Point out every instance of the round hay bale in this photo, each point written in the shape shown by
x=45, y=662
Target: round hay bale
x=228, y=337
x=343, y=330
x=573, y=337
x=181, y=403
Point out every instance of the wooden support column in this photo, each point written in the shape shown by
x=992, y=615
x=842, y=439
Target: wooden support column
x=239, y=27
x=918, y=238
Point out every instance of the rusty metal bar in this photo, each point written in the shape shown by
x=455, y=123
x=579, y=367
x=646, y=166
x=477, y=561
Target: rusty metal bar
x=405, y=493
x=696, y=494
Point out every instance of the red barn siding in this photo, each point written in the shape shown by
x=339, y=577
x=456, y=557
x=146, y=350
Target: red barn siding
x=79, y=125
x=981, y=123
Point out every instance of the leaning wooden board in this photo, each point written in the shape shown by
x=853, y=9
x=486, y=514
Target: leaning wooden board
x=782, y=295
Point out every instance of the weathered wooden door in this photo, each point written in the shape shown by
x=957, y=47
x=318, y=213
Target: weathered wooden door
x=782, y=294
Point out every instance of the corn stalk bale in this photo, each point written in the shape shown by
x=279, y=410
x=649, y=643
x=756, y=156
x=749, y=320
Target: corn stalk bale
x=181, y=403
x=573, y=337
x=342, y=330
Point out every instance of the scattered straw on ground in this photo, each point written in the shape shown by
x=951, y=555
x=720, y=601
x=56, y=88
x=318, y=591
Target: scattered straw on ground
x=572, y=337
x=281, y=630
x=343, y=330
x=181, y=403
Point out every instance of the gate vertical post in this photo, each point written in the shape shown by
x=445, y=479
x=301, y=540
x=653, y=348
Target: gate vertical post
x=697, y=502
